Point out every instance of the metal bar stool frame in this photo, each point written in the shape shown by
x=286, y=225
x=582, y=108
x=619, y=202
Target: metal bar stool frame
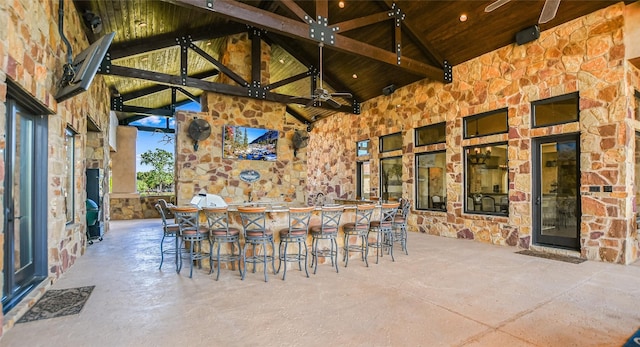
x=360, y=229
x=383, y=229
x=400, y=224
x=221, y=233
x=188, y=220
x=327, y=230
x=299, y=219
x=169, y=230
x=255, y=233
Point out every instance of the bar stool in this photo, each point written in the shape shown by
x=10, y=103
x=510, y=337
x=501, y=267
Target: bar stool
x=297, y=232
x=383, y=229
x=327, y=230
x=221, y=233
x=400, y=224
x=359, y=229
x=188, y=220
x=170, y=232
x=256, y=233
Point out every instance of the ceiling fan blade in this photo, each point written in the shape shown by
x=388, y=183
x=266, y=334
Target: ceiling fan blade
x=310, y=103
x=492, y=6
x=342, y=95
x=549, y=11
x=333, y=103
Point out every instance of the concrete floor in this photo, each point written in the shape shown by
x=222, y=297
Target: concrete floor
x=446, y=292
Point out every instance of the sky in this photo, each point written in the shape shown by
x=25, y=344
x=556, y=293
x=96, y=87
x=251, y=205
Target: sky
x=148, y=141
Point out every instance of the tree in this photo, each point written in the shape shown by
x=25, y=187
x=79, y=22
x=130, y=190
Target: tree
x=162, y=173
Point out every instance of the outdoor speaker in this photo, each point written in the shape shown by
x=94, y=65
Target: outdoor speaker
x=527, y=35
x=388, y=90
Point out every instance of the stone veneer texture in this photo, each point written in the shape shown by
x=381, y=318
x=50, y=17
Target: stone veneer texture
x=585, y=55
x=33, y=56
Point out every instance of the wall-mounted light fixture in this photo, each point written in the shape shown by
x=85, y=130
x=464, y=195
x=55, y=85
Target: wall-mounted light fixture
x=477, y=157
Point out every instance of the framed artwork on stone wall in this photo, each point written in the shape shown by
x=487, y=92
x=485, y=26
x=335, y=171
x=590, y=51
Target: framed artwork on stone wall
x=247, y=143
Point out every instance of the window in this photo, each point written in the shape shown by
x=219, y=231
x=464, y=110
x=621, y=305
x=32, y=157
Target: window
x=486, y=179
x=431, y=185
x=391, y=142
x=391, y=178
x=362, y=148
x=556, y=110
x=431, y=134
x=363, y=187
x=489, y=123
x=69, y=185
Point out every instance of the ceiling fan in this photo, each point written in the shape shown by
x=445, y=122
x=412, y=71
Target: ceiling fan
x=549, y=9
x=322, y=95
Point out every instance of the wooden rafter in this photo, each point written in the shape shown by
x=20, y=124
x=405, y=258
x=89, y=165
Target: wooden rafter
x=292, y=28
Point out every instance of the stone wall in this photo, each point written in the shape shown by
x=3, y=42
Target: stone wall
x=137, y=207
x=584, y=55
x=205, y=171
x=32, y=54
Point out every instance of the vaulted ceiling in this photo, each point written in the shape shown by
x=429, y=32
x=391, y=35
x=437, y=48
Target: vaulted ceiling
x=383, y=43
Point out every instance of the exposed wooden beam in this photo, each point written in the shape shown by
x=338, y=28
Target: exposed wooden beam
x=289, y=27
x=426, y=47
x=152, y=129
x=362, y=21
x=158, y=88
x=290, y=110
x=147, y=111
x=209, y=86
x=322, y=9
x=297, y=10
x=225, y=70
x=288, y=80
x=134, y=47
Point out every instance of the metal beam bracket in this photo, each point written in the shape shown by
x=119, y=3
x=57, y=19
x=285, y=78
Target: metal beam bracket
x=185, y=42
x=105, y=65
x=356, y=107
x=255, y=90
x=116, y=103
x=398, y=15
x=448, y=72
x=320, y=31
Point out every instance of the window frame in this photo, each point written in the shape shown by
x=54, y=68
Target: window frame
x=384, y=137
x=476, y=117
x=573, y=95
x=431, y=126
x=381, y=176
x=637, y=96
x=416, y=186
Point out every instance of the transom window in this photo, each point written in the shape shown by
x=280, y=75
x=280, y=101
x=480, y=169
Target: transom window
x=391, y=142
x=556, y=110
x=362, y=148
x=489, y=123
x=69, y=186
x=431, y=134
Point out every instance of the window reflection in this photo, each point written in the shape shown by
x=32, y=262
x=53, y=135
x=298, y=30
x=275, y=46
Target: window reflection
x=431, y=187
x=391, y=178
x=486, y=176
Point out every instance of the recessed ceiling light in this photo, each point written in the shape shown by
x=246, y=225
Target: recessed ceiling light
x=144, y=58
x=208, y=43
x=281, y=61
x=341, y=4
x=463, y=17
x=142, y=24
x=354, y=76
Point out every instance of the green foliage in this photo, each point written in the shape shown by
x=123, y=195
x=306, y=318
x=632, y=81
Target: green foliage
x=161, y=175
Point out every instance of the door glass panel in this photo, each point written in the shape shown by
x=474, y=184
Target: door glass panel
x=559, y=172
x=364, y=180
x=22, y=192
x=391, y=178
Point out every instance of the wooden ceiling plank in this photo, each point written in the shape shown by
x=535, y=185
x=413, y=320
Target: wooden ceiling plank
x=297, y=10
x=135, y=47
x=289, y=27
x=362, y=21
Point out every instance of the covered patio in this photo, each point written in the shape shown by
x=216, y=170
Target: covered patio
x=446, y=292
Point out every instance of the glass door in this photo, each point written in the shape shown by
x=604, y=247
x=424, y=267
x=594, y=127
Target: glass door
x=557, y=191
x=23, y=256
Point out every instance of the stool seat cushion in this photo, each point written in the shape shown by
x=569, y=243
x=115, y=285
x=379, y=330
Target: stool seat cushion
x=350, y=227
x=258, y=233
x=294, y=232
x=172, y=228
x=317, y=229
x=377, y=224
x=191, y=232
x=223, y=232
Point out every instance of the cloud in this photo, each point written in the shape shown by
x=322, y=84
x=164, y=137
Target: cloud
x=154, y=121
